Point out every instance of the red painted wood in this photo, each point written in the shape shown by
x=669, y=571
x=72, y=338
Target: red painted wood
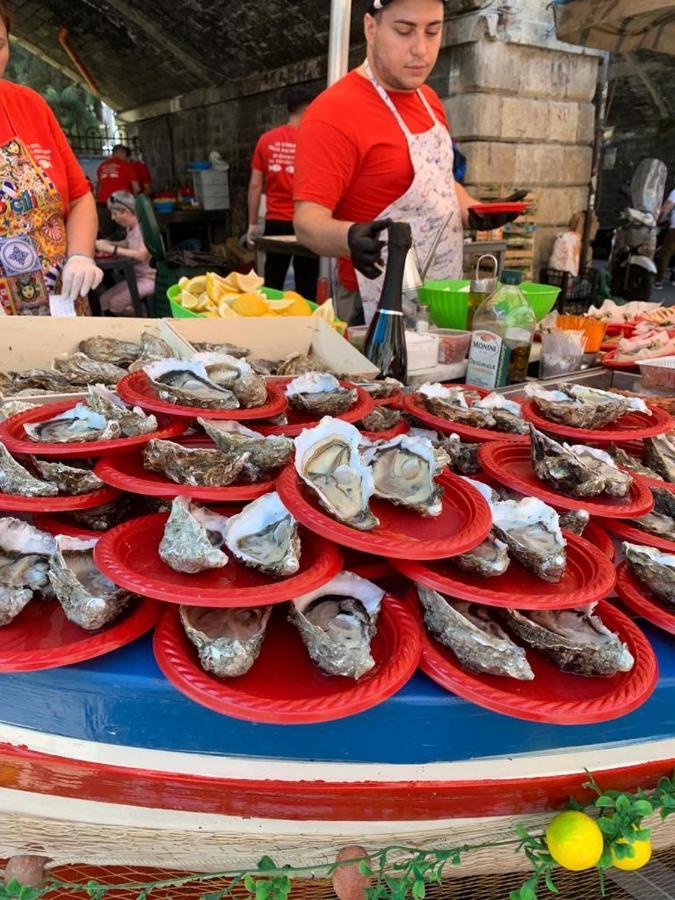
x=26, y=770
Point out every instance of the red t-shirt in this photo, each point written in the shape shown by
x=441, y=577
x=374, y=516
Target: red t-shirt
x=114, y=175
x=27, y=115
x=352, y=155
x=143, y=176
x=275, y=156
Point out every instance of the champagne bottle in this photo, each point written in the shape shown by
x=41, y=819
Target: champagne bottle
x=385, y=341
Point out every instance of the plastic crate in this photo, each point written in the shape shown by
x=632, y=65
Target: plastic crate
x=577, y=292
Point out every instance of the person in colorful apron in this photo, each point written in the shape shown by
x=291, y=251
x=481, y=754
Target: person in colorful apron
x=376, y=147
x=47, y=212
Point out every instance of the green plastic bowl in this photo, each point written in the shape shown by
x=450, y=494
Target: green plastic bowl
x=541, y=297
x=448, y=300
x=179, y=312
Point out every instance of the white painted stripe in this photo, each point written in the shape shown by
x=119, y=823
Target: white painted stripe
x=595, y=758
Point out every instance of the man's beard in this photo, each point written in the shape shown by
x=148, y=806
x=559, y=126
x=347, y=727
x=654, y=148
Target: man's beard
x=386, y=75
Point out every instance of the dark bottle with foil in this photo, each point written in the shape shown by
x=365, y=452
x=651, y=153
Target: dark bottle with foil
x=385, y=341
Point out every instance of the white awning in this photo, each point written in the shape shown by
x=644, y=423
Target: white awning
x=618, y=25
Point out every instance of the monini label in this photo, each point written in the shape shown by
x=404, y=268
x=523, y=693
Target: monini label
x=488, y=360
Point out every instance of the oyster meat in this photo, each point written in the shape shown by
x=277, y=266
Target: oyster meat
x=265, y=454
x=382, y=418
x=558, y=465
x=320, y=394
x=508, y=414
x=531, y=530
x=574, y=520
x=265, y=536
x=78, y=425
x=451, y=403
x=80, y=370
x=132, y=422
x=153, y=349
x=327, y=459
x=187, y=383
x=70, y=480
x=659, y=454
x=228, y=641
x=193, y=466
x=462, y=457
x=18, y=481
x=617, y=483
x=576, y=640
x=654, y=568
x=193, y=538
x=581, y=406
x=110, y=350
x=474, y=635
x=24, y=564
x=337, y=624
x=632, y=463
x=89, y=599
x=235, y=375
x=405, y=471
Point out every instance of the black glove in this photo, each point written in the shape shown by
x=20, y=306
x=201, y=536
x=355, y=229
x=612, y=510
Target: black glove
x=490, y=221
x=365, y=248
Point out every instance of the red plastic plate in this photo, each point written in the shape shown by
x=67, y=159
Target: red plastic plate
x=509, y=464
x=642, y=601
x=126, y=472
x=608, y=360
x=414, y=404
x=13, y=435
x=137, y=388
x=400, y=428
x=42, y=638
x=506, y=207
x=12, y=503
x=56, y=525
x=129, y=556
x=632, y=425
x=625, y=330
x=299, y=421
x=597, y=536
x=284, y=687
x=554, y=697
x=626, y=532
x=402, y=533
x=396, y=400
x=372, y=568
x=589, y=576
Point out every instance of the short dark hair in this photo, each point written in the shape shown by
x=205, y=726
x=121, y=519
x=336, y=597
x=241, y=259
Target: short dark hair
x=299, y=97
x=120, y=148
x=5, y=16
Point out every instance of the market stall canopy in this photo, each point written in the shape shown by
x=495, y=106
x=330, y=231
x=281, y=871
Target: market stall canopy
x=618, y=25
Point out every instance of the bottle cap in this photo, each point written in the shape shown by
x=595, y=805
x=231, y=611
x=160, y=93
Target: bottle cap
x=511, y=276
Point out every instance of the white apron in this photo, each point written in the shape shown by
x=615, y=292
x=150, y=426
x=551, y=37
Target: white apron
x=426, y=203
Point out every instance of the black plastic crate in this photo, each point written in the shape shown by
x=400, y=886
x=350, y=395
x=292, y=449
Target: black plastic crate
x=577, y=292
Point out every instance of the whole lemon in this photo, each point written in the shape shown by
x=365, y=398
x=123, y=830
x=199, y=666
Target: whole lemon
x=574, y=841
x=642, y=853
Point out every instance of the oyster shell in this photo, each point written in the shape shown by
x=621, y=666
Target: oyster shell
x=617, y=483
x=508, y=414
x=193, y=466
x=228, y=641
x=110, y=350
x=320, y=394
x=132, y=422
x=80, y=370
x=34, y=380
x=654, y=568
x=474, y=635
x=404, y=472
x=265, y=536
x=532, y=533
x=187, y=384
x=451, y=403
x=489, y=559
x=382, y=418
x=153, y=349
x=69, y=480
x=265, y=454
x=462, y=458
x=337, y=624
x=574, y=639
x=380, y=389
x=236, y=375
x=558, y=465
x=13, y=408
x=24, y=563
x=659, y=454
x=106, y=516
x=582, y=407
x=18, y=481
x=632, y=463
x=89, y=598
x=327, y=459
x=574, y=520
x=78, y=425
x=227, y=349
x=193, y=538
x=299, y=364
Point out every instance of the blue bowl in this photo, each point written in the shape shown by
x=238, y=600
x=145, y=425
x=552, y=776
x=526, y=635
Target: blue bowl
x=199, y=166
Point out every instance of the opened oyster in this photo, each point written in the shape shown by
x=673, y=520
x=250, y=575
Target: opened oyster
x=70, y=480
x=132, y=422
x=78, y=425
x=337, y=624
x=382, y=418
x=558, y=465
x=581, y=406
x=265, y=536
x=473, y=634
x=574, y=639
x=462, y=458
x=404, y=472
x=16, y=480
x=654, y=568
x=188, y=384
x=574, y=520
x=508, y=414
x=228, y=640
x=659, y=455
x=452, y=403
x=327, y=459
x=617, y=483
x=193, y=466
x=532, y=533
x=489, y=559
x=24, y=563
x=153, y=349
x=320, y=394
x=193, y=538
x=81, y=370
x=89, y=599
x=110, y=350
x=265, y=454
x=661, y=520
x=236, y=375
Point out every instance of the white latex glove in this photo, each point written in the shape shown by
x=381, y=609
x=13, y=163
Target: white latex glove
x=80, y=275
x=253, y=232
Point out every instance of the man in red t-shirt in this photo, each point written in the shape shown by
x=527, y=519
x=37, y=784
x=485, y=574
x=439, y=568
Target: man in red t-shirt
x=376, y=146
x=272, y=168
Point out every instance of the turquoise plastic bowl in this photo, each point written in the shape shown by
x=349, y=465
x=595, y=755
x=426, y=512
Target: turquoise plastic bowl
x=448, y=300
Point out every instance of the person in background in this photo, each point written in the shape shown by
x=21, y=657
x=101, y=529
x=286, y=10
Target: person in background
x=117, y=300
x=116, y=173
x=667, y=214
x=143, y=176
x=272, y=170
x=47, y=213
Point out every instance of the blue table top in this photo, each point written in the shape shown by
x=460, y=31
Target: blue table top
x=123, y=699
